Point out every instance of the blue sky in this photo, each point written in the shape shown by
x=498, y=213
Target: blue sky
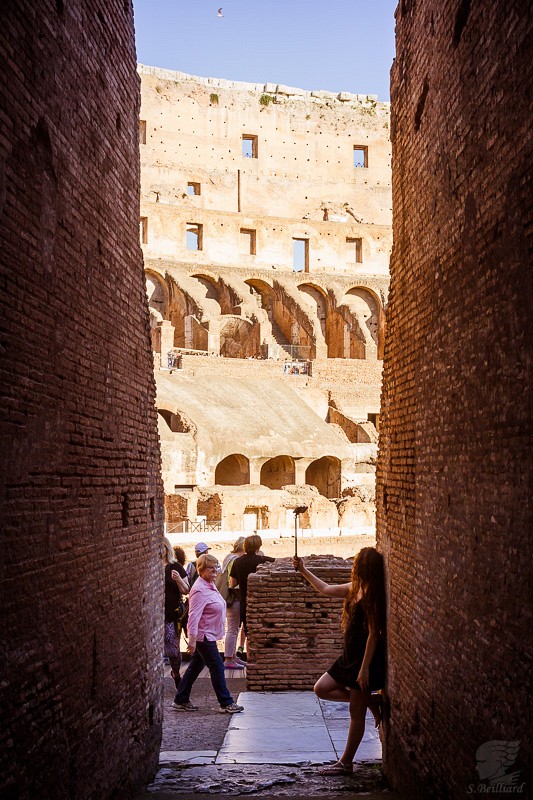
x=337, y=45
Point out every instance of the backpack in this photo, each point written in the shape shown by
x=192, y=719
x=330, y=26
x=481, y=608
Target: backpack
x=222, y=584
x=192, y=573
x=183, y=617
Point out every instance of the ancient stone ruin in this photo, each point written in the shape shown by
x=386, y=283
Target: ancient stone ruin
x=303, y=643
x=265, y=226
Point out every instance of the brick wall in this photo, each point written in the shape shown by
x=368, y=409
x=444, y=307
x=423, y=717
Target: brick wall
x=294, y=633
x=81, y=500
x=176, y=508
x=453, y=503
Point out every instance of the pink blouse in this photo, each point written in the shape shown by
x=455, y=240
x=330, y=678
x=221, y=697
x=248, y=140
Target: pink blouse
x=207, y=612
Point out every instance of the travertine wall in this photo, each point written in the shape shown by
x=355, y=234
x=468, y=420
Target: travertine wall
x=454, y=513
x=81, y=577
x=239, y=302
x=301, y=184
x=306, y=641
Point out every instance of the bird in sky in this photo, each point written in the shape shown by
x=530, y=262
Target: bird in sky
x=219, y=13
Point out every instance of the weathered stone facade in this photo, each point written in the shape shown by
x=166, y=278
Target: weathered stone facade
x=454, y=510
x=308, y=642
x=82, y=508
x=265, y=346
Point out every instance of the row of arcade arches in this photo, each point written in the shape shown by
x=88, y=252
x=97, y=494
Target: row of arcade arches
x=323, y=473
x=351, y=326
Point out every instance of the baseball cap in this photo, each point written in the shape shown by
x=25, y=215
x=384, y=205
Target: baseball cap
x=200, y=548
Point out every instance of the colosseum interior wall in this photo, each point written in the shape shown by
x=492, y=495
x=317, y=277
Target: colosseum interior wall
x=266, y=231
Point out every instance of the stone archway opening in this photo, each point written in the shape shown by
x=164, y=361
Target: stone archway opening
x=367, y=310
x=278, y=472
x=325, y=475
x=234, y=470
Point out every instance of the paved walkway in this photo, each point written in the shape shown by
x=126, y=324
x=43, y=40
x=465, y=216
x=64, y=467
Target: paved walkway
x=271, y=749
x=283, y=728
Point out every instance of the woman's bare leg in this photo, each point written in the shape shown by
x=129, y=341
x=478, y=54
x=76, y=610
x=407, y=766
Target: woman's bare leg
x=358, y=705
x=328, y=689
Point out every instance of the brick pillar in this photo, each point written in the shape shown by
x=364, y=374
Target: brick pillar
x=290, y=623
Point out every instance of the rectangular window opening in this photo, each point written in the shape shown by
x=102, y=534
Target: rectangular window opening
x=143, y=230
x=249, y=146
x=354, y=251
x=193, y=188
x=360, y=155
x=300, y=255
x=248, y=242
x=142, y=131
x=194, y=236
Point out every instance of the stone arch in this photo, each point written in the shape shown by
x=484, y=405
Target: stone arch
x=185, y=316
x=161, y=331
x=369, y=311
x=157, y=293
x=210, y=284
x=319, y=297
x=263, y=293
x=234, y=470
x=325, y=475
x=277, y=472
x=178, y=422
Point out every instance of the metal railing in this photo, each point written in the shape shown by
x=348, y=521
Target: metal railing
x=297, y=368
x=195, y=526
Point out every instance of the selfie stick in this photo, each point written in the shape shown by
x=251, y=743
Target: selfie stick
x=297, y=512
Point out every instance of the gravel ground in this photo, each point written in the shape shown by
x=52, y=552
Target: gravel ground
x=203, y=730
x=283, y=546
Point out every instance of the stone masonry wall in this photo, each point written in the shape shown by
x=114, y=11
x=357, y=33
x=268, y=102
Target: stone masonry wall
x=291, y=623
x=300, y=183
x=454, y=509
x=81, y=502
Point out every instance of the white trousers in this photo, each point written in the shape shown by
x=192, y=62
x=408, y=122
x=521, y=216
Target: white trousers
x=233, y=623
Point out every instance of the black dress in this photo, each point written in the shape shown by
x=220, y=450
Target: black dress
x=346, y=668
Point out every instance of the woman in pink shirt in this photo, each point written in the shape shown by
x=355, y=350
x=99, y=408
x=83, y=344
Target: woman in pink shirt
x=207, y=620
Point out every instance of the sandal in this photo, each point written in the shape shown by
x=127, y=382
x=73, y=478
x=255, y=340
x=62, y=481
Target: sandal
x=339, y=768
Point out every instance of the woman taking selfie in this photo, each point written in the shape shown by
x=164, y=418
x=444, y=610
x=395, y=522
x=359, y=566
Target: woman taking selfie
x=360, y=669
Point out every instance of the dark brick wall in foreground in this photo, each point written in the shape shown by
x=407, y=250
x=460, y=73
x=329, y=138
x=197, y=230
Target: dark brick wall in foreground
x=454, y=509
x=81, y=505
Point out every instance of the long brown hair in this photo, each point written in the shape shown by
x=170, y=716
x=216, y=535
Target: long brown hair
x=368, y=578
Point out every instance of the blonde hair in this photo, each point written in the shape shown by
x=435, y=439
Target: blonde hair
x=238, y=547
x=169, y=552
x=206, y=560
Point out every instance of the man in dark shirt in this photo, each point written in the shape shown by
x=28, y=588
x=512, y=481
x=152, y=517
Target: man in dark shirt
x=243, y=567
